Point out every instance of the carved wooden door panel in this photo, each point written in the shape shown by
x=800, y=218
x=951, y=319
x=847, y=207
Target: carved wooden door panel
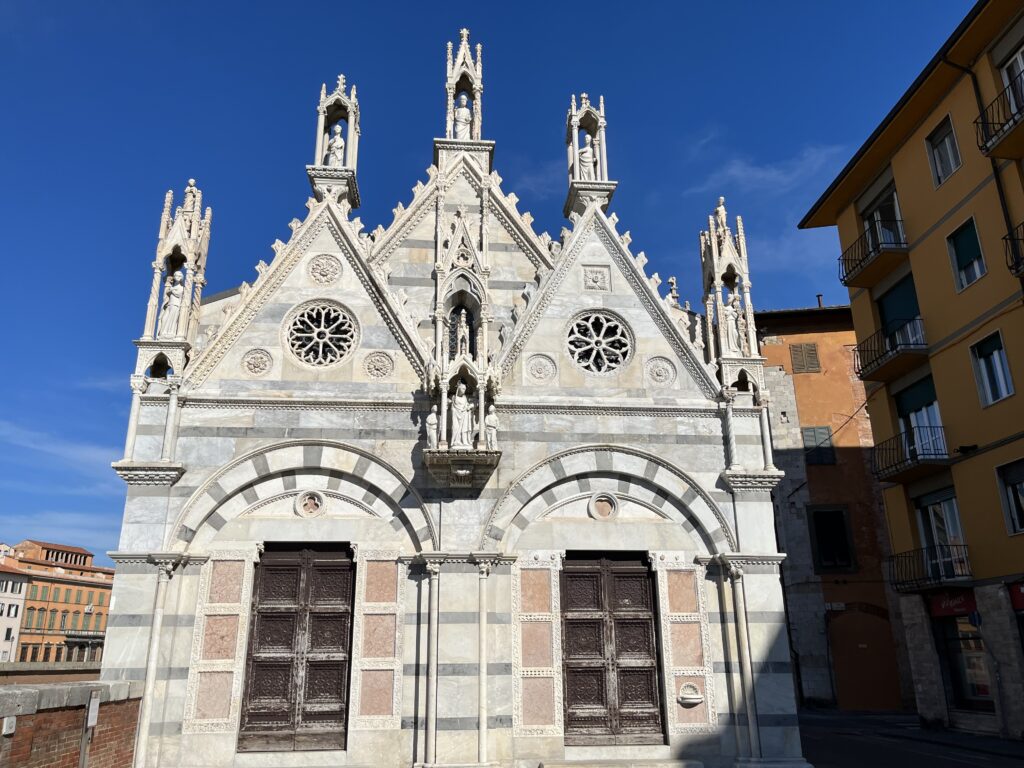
x=609, y=651
x=297, y=670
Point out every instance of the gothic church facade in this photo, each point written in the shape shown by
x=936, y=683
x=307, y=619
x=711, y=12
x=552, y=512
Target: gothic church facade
x=451, y=492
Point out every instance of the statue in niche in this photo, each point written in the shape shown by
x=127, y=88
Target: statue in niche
x=432, y=427
x=462, y=335
x=463, y=118
x=491, y=429
x=587, y=159
x=462, y=418
x=336, y=148
x=731, y=316
x=174, y=291
x=721, y=222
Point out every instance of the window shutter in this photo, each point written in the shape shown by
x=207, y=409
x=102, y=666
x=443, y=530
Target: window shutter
x=796, y=354
x=804, y=358
x=965, y=245
x=988, y=346
x=811, y=358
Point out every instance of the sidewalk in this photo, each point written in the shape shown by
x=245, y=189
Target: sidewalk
x=908, y=726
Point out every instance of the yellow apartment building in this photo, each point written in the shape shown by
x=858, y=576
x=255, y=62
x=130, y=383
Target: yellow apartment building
x=930, y=213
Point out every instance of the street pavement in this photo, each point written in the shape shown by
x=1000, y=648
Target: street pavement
x=851, y=740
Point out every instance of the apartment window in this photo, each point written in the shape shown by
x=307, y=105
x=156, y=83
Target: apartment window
x=86, y=620
x=40, y=618
x=965, y=251
x=64, y=620
x=3, y=586
x=9, y=634
x=942, y=539
x=53, y=619
x=45, y=595
x=16, y=587
x=943, y=150
x=882, y=221
x=12, y=610
x=1011, y=483
x=818, y=448
x=78, y=596
x=33, y=592
x=830, y=540
x=991, y=369
x=30, y=614
x=99, y=598
x=74, y=619
x=1013, y=77
x=88, y=598
x=804, y=358
x=35, y=653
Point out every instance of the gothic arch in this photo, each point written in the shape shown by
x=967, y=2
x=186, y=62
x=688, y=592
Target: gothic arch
x=665, y=486
x=268, y=470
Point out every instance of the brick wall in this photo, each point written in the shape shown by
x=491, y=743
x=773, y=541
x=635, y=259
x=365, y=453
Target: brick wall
x=49, y=723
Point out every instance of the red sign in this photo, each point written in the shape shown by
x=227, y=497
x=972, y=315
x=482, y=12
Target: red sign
x=1017, y=595
x=952, y=602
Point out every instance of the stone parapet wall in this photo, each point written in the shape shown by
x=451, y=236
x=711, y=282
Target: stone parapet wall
x=50, y=725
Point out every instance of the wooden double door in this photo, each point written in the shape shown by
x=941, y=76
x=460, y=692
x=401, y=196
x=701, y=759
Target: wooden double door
x=298, y=663
x=610, y=651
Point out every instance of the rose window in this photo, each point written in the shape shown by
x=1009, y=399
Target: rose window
x=321, y=333
x=599, y=342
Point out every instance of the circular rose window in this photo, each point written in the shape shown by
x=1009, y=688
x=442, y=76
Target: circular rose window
x=321, y=333
x=599, y=342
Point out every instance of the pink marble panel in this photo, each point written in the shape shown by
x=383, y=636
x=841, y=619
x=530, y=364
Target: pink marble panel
x=538, y=701
x=536, y=639
x=381, y=582
x=536, y=590
x=682, y=592
x=226, y=581
x=220, y=637
x=213, y=697
x=686, y=648
x=378, y=636
x=377, y=692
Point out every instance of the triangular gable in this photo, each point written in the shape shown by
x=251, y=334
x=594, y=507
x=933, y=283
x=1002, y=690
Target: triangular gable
x=325, y=216
x=595, y=220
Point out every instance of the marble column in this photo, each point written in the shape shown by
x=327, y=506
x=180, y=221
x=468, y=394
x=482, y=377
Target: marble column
x=139, y=385
x=442, y=441
x=746, y=668
x=165, y=567
x=430, y=739
x=167, y=449
x=727, y=427
x=149, y=329
x=318, y=158
x=766, y=433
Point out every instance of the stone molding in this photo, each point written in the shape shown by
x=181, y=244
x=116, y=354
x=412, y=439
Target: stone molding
x=149, y=472
x=751, y=481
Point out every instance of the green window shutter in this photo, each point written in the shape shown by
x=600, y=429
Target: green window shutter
x=965, y=244
x=796, y=355
x=804, y=358
x=915, y=397
x=811, y=358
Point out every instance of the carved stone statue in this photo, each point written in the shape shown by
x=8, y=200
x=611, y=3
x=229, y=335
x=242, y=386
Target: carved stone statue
x=491, y=429
x=432, y=427
x=462, y=335
x=721, y=221
x=463, y=118
x=167, y=327
x=731, y=314
x=336, y=149
x=586, y=159
x=462, y=419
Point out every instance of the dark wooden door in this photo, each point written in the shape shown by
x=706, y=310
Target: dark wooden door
x=609, y=651
x=297, y=670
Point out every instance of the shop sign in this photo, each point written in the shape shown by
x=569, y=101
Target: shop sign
x=959, y=602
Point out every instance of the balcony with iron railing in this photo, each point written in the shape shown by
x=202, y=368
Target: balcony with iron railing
x=912, y=454
x=875, y=253
x=1000, y=128
x=1014, y=245
x=929, y=567
x=897, y=348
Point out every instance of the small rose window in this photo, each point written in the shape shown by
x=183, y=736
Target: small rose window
x=599, y=342
x=321, y=333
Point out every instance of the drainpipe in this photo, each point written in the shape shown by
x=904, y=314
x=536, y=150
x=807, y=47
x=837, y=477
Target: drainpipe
x=1000, y=191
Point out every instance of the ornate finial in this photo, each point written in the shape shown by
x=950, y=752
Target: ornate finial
x=323, y=92
x=572, y=102
x=600, y=102
x=584, y=101
x=464, y=35
x=341, y=84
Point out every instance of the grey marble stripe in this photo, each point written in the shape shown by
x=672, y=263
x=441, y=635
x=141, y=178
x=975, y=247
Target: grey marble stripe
x=169, y=728
x=146, y=619
x=458, y=670
x=753, y=617
x=458, y=723
x=459, y=617
x=760, y=667
x=162, y=673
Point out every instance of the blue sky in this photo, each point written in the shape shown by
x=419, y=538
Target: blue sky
x=109, y=104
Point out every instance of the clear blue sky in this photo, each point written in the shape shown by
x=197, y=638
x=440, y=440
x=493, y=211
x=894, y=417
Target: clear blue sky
x=106, y=105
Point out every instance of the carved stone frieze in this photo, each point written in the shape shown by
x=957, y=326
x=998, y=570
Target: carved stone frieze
x=149, y=472
x=742, y=480
x=461, y=468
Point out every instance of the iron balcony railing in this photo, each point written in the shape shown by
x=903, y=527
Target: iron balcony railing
x=1014, y=243
x=1001, y=115
x=929, y=566
x=915, y=445
x=878, y=236
x=897, y=336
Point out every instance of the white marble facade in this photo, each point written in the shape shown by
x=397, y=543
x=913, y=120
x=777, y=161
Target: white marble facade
x=465, y=403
